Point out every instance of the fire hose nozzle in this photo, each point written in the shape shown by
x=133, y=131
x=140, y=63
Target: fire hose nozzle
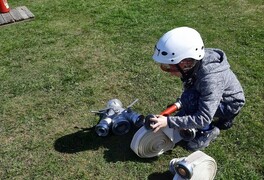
x=175, y=107
x=171, y=109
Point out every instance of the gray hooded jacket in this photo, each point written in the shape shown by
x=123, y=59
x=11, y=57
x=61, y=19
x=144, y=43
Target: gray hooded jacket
x=215, y=83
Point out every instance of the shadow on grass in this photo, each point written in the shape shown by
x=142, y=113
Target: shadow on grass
x=117, y=147
x=158, y=175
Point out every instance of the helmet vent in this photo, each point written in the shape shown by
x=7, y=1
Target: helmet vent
x=196, y=49
x=164, y=53
x=172, y=60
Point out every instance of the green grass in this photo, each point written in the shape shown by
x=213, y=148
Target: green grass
x=76, y=55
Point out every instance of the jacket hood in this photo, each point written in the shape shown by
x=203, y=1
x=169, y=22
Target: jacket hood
x=214, y=61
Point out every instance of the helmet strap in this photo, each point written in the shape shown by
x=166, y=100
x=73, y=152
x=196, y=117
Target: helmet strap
x=184, y=74
x=189, y=77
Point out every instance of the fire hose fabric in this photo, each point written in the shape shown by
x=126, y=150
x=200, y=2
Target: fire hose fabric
x=147, y=144
x=200, y=165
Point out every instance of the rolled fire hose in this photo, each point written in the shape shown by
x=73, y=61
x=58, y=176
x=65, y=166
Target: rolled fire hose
x=197, y=166
x=147, y=144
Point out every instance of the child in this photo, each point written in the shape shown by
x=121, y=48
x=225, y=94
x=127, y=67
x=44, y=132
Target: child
x=210, y=88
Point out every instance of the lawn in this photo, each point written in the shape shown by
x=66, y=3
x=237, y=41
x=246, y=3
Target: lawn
x=76, y=55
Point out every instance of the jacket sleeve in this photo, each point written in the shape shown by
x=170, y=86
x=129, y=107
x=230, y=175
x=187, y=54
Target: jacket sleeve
x=211, y=89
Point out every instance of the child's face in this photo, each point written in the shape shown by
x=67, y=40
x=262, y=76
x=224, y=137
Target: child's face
x=171, y=68
x=185, y=65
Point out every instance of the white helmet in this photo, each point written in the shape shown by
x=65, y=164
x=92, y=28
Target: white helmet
x=178, y=44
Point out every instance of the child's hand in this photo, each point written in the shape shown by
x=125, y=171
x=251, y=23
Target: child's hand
x=160, y=122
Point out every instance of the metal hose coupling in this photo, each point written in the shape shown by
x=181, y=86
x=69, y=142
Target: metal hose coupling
x=103, y=127
x=114, y=118
x=196, y=166
x=148, y=122
x=187, y=134
x=121, y=125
